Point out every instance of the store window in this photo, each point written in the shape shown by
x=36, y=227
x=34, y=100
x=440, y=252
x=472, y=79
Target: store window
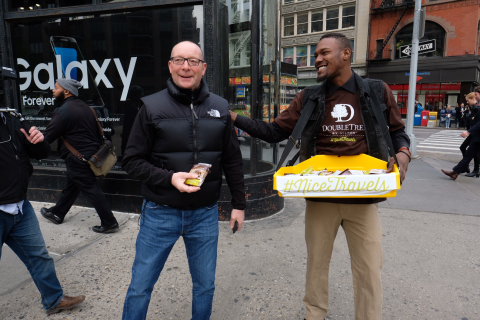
x=119, y=58
x=348, y=16
x=332, y=18
x=434, y=33
x=29, y=5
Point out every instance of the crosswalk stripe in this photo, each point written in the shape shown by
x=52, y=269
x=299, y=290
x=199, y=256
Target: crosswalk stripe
x=446, y=142
x=437, y=147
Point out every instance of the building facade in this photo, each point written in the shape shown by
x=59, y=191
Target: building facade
x=448, y=64
x=305, y=21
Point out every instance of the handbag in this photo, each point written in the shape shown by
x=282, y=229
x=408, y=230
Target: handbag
x=103, y=160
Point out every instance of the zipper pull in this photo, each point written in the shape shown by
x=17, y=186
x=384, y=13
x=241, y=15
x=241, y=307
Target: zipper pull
x=191, y=107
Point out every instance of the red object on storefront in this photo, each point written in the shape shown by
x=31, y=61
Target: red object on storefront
x=424, y=120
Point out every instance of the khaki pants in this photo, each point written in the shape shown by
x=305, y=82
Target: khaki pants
x=364, y=235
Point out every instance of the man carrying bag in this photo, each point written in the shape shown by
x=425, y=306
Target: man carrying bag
x=74, y=122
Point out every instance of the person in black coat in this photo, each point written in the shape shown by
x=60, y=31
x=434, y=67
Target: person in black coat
x=74, y=121
x=19, y=228
x=473, y=140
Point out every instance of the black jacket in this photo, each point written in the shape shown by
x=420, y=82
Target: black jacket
x=15, y=167
x=74, y=120
x=172, y=132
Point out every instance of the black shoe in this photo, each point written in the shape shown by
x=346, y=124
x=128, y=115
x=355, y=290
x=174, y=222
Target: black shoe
x=47, y=214
x=468, y=170
x=101, y=229
x=474, y=173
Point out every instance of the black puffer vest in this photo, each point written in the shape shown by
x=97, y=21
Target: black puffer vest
x=185, y=133
x=377, y=146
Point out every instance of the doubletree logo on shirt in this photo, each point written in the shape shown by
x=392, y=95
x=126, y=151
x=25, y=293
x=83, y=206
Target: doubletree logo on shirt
x=340, y=111
x=342, y=124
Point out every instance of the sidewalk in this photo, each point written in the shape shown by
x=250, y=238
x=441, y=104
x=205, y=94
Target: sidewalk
x=431, y=262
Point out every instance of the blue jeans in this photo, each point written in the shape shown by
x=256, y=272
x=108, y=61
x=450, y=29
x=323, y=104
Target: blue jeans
x=21, y=232
x=447, y=122
x=160, y=227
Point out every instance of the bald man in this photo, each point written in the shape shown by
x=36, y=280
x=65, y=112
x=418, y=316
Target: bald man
x=175, y=129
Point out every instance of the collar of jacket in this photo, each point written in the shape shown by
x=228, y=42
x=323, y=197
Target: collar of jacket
x=67, y=99
x=199, y=95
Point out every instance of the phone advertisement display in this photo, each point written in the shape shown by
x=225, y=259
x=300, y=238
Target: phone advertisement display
x=118, y=58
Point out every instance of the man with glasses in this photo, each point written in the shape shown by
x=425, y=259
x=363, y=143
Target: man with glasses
x=19, y=227
x=175, y=129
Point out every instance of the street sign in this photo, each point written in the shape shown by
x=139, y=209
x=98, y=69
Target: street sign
x=423, y=47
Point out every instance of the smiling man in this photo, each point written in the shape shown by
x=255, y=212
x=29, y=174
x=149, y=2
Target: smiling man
x=175, y=129
x=342, y=123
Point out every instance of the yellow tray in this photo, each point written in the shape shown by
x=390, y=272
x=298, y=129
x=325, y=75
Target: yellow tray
x=366, y=186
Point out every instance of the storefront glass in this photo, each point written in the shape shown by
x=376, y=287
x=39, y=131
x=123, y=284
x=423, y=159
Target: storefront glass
x=29, y=5
x=256, y=154
x=436, y=95
x=118, y=57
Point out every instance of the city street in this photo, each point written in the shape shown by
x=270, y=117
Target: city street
x=431, y=257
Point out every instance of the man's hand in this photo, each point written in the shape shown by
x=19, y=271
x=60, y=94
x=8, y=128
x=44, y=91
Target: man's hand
x=465, y=134
x=403, y=161
x=233, y=115
x=35, y=135
x=239, y=216
x=178, y=181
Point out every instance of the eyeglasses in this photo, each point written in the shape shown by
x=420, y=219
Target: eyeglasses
x=193, y=62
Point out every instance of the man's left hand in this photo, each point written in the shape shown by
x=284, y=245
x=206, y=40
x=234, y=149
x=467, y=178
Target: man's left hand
x=403, y=161
x=239, y=216
x=465, y=134
x=34, y=137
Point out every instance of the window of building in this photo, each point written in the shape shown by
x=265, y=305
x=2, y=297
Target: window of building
x=312, y=55
x=326, y=19
x=288, y=55
x=302, y=23
x=288, y=25
x=287, y=1
x=302, y=56
x=348, y=16
x=433, y=31
x=317, y=21
x=352, y=43
x=332, y=18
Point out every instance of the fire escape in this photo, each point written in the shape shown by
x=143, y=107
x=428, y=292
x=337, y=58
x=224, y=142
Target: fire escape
x=400, y=7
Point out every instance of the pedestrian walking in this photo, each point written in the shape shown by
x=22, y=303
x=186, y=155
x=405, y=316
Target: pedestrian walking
x=448, y=116
x=74, y=122
x=174, y=130
x=357, y=216
x=19, y=227
x=471, y=145
x=457, y=114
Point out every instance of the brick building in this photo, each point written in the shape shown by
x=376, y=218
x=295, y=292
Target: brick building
x=448, y=66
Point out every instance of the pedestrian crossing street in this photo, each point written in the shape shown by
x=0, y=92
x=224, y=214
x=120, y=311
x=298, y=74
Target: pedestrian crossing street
x=444, y=141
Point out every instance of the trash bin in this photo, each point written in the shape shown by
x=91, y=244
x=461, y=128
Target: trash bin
x=424, y=120
x=417, y=120
x=433, y=117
